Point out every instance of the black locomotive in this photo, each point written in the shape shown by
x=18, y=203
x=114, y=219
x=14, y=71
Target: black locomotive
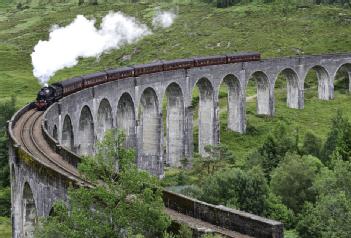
x=46, y=96
x=50, y=94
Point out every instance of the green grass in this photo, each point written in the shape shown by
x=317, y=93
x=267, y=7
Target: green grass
x=315, y=117
x=319, y=29
x=5, y=227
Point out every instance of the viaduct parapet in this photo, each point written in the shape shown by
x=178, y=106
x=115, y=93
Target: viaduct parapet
x=72, y=126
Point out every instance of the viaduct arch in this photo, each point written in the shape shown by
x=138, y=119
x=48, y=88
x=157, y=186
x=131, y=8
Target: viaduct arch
x=126, y=119
x=67, y=138
x=104, y=119
x=235, y=102
x=86, y=132
x=134, y=105
x=292, y=87
x=174, y=124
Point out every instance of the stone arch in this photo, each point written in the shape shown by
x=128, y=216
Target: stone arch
x=104, y=119
x=55, y=133
x=263, y=100
x=29, y=211
x=292, y=87
x=150, y=122
x=344, y=70
x=174, y=124
x=86, y=132
x=325, y=88
x=126, y=118
x=206, y=114
x=67, y=133
x=234, y=103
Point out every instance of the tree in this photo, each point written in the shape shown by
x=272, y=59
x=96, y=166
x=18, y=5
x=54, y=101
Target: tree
x=312, y=145
x=245, y=190
x=330, y=217
x=293, y=180
x=5, y=201
x=273, y=150
x=125, y=202
x=338, y=143
x=216, y=156
x=330, y=182
x=276, y=210
x=7, y=109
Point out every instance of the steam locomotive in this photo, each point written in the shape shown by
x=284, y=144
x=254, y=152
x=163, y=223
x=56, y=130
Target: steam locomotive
x=50, y=94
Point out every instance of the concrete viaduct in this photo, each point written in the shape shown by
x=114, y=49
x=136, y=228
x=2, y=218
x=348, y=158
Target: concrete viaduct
x=72, y=126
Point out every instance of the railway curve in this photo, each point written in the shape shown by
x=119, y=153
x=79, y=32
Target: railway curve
x=27, y=131
x=28, y=135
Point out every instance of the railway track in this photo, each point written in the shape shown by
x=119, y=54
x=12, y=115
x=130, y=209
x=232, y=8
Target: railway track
x=29, y=135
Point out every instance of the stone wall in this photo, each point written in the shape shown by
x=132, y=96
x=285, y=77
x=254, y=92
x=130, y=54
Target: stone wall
x=34, y=187
x=225, y=217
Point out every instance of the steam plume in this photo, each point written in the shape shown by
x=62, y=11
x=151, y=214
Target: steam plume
x=82, y=39
x=163, y=19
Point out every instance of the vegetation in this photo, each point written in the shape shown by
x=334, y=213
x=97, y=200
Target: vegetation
x=293, y=145
x=7, y=109
x=309, y=194
x=125, y=202
x=5, y=227
x=330, y=215
x=217, y=156
x=299, y=172
x=256, y=26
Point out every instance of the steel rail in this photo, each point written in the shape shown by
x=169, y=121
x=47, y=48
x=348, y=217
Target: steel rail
x=28, y=127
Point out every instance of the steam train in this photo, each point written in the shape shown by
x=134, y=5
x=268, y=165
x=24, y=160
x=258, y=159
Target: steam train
x=50, y=94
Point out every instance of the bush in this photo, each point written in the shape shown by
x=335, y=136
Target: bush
x=5, y=202
x=276, y=210
x=192, y=191
x=7, y=109
x=312, y=145
x=293, y=180
x=244, y=190
x=273, y=150
x=330, y=217
x=338, y=143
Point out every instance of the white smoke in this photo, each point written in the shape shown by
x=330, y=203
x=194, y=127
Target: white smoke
x=82, y=39
x=163, y=19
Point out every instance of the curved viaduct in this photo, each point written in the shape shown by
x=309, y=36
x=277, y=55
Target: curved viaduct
x=45, y=148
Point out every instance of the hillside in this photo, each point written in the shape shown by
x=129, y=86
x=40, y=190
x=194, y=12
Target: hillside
x=317, y=29
x=199, y=29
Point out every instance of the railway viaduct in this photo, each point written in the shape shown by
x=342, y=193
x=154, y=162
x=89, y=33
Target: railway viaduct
x=45, y=147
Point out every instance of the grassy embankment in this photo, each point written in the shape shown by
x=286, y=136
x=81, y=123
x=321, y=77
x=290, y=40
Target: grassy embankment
x=319, y=29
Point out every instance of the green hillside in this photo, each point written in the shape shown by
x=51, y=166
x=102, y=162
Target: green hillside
x=316, y=29
x=199, y=29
